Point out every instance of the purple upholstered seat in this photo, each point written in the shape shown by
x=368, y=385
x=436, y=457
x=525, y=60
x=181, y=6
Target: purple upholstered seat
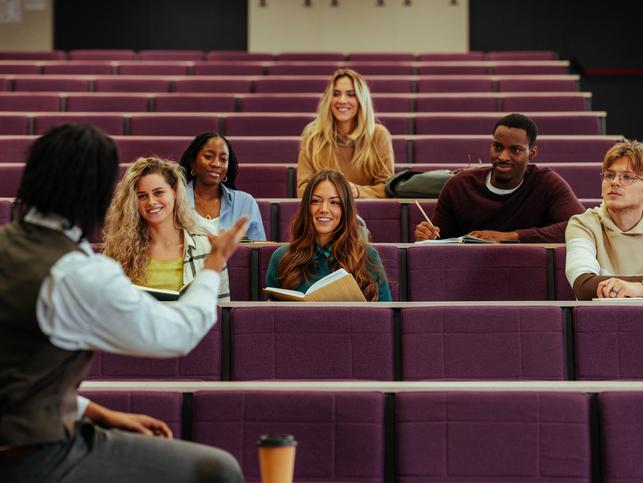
x=391, y=85
x=454, y=124
x=450, y=56
x=203, y=363
x=544, y=103
x=401, y=150
x=209, y=85
x=269, y=149
x=454, y=84
x=266, y=124
x=535, y=84
x=584, y=178
x=585, y=123
x=266, y=181
x=574, y=149
x=286, y=213
x=14, y=124
x=303, y=68
x=383, y=219
x=167, y=147
x=171, y=55
x=340, y=435
x=265, y=209
x=153, y=68
x=98, y=102
x=455, y=103
x=162, y=124
x=522, y=55
x=239, y=268
x=19, y=68
x=131, y=84
x=5, y=210
x=102, y=54
x=464, y=149
x=608, y=339
x=19, y=101
x=287, y=84
x=397, y=124
x=13, y=149
x=165, y=405
x=110, y=123
x=482, y=343
x=529, y=69
x=452, y=69
x=10, y=176
x=415, y=217
x=279, y=102
x=228, y=68
x=51, y=84
x=277, y=342
x=476, y=272
x=369, y=68
x=4, y=83
x=621, y=421
x=312, y=56
x=563, y=289
x=524, y=437
x=393, y=102
x=174, y=102
x=232, y=55
x=381, y=57
x=33, y=55
x=76, y=67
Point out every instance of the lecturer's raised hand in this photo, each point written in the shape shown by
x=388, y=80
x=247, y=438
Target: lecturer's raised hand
x=225, y=244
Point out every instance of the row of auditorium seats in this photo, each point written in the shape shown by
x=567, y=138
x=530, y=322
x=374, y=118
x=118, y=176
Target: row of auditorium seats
x=282, y=68
x=177, y=102
x=403, y=342
x=291, y=124
x=194, y=55
x=278, y=181
x=413, y=437
x=285, y=84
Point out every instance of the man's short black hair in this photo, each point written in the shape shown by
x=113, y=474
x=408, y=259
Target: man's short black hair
x=71, y=171
x=520, y=121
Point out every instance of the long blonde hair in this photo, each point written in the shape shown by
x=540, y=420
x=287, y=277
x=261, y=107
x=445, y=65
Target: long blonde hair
x=321, y=144
x=127, y=236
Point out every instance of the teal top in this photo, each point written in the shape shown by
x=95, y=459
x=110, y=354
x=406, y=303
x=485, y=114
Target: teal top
x=323, y=261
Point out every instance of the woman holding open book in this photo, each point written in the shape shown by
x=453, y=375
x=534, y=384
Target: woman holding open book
x=325, y=238
x=345, y=137
x=151, y=229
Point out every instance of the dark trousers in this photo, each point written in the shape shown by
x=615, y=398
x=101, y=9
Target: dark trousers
x=112, y=456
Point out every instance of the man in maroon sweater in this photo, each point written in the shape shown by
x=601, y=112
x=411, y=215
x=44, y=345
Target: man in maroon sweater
x=511, y=201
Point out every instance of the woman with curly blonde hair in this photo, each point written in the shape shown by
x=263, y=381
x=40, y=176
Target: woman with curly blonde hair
x=151, y=230
x=324, y=238
x=345, y=137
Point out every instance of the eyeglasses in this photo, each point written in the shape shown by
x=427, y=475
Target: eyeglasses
x=625, y=178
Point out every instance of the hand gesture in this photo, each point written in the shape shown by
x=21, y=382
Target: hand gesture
x=426, y=231
x=224, y=245
x=495, y=236
x=615, y=287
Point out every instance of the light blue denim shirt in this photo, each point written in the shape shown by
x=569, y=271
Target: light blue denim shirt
x=234, y=205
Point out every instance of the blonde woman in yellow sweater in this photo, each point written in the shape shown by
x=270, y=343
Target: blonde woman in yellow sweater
x=345, y=137
x=605, y=244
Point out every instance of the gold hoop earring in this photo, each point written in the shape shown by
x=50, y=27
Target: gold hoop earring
x=225, y=178
x=192, y=172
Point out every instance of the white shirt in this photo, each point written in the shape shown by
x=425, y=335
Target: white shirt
x=88, y=303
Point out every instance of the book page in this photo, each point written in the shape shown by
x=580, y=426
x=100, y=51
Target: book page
x=328, y=279
x=343, y=289
x=284, y=294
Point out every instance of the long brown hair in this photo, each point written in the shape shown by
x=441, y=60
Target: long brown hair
x=348, y=250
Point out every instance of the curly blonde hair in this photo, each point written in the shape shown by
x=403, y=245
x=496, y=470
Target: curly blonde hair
x=321, y=145
x=126, y=235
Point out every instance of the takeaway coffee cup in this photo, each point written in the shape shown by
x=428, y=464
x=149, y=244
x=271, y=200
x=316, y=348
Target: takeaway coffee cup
x=277, y=457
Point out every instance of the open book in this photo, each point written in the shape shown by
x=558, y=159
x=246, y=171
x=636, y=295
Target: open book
x=460, y=239
x=339, y=286
x=163, y=295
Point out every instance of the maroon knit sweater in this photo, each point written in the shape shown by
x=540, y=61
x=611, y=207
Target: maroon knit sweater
x=539, y=209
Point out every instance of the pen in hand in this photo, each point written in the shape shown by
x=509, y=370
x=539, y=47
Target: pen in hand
x=426, y=217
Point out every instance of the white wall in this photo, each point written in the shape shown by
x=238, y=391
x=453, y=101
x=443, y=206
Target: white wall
x=358, y=26
x=34, y=32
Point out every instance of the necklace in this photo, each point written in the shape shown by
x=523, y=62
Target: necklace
x=202, y=208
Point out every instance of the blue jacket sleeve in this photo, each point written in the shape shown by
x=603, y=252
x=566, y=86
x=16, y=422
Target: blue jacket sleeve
x=255, y=225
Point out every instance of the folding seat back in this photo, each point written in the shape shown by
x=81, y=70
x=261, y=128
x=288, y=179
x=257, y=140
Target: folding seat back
x=381, y=57
x=239, y=274
x=456, y=104
x=535, y=85
x=280, y=84
x=574, y=149
x=202, y=363
x=452, y=69
x=607, y=341
x=232, y=55
x=18, y=101
x=530, y=69
x=464, y=149
x=269, y=149
x=130, y=148
x=563, y=289
x=451, y=56
x=340, y=435
x=392, y=103
x=228, y=68
x=545, y=103
x=10, y=176
x=33, y=55
x=311, y=56
x=390, y=84
x=492, y=437
x=279, y=103
x=383, y=219
x=82, y=68
x=272, y=124
x=287, y=210
x=131, y=84
x=586, y=123
x=210, y=85
x=14, y=149
x=454, y=124
x=454, y=84
x=18, y=68
x=194, y=103
x=476, y=272
x=14, y=124
x=390, y=256
x=397, y=124
x=382, y=68
x=162, y=124
x=522, y=55
x=163, y=405
x=277, y=342
x=400, y=150
x=266, y=181
x=303, y=68
x=102, y=54
x=584, y=178
x=153, y=68
x=51, y=84
x=171, y=55
x=621, y=436
x=265, y=209
x=110, y=123
x=483, y=342
x=107, y=102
